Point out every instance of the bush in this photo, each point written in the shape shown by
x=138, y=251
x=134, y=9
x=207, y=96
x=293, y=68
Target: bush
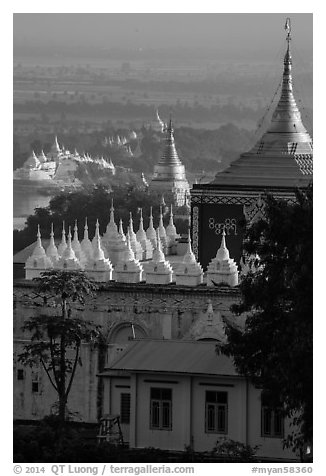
x=234, y=452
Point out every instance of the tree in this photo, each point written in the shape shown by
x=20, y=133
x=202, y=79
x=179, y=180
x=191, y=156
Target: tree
x=56, y=339
x=275, y=347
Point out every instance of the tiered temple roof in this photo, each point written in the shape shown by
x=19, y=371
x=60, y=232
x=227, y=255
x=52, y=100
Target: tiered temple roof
x=283, y=155
x=169, y=174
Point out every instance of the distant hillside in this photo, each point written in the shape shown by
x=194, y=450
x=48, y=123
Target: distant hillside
x=199, y=149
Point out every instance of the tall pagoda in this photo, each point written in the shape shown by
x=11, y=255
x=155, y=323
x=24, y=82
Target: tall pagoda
x=169, y=176
x=280, y=162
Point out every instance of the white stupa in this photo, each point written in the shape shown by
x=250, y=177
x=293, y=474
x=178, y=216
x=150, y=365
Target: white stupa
x=76, y=246
x=32, y=161
x=143, y=240
x=97, y=232
x=172, y=234
x=150, y=232
x=222, y=268
x=162, y=233
x=86, y=244
x=52, y=250
x=63, y=244
x=128, y=269
x=98, y=267
x=189, y=272
x=121, y=232
x=111, y=231
x=159, y=270
x=135, y=245
x=38, y=261
x=113, y=243
x=68, y=260
x=42, y=157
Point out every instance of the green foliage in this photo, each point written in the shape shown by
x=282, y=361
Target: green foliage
x=93, y=203
x=275, y=347
x=73, y=285
x=234, y=451
x=47, y=443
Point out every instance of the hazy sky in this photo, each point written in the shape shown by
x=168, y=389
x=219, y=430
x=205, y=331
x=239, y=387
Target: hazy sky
x=247, y=31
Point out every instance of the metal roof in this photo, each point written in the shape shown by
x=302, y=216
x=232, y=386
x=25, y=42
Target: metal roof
x=172, y=356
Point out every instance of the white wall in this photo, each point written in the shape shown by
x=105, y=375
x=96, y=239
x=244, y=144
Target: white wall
x=268, y=445
x=188, y=413
x=236, y=429
x=141, y=435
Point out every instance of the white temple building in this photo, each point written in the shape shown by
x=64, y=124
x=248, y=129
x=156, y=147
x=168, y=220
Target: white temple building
x=222, y=268
x=132, y=258
x=169, y=174
x=58, y=165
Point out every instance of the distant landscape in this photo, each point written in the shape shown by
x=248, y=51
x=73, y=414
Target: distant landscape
x=219, y=103
x=115, y=90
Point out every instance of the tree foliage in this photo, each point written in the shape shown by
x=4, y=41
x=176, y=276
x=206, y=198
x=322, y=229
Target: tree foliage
x=93, y=203
x=275, y=347
x=234, y=451
x=55, y=340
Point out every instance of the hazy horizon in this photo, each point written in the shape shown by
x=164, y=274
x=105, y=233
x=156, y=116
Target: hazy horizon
x=231, y=34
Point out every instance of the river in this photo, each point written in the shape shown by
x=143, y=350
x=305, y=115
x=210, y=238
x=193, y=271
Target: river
x=25, y=199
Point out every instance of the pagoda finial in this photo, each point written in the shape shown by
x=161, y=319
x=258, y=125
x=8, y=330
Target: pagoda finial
x=223, y=244
x=52, y=251
x=189, y=256
x=170, y=130
x=76, y=230
x=69, y=236
x=141, y=221
x=158, y=251
x=189, y=241
x=121, y=232
x=56, y=144
x=287, y=28
x=97, y=228
x=223, y=252
x=171, y=215
x=112, y=212
x=86, y=229
x=160, y=225
x=39, y=242
x=63, y=232
x=287, y=57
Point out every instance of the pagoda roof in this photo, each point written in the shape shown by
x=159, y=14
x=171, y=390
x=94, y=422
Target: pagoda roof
x=170, y=155
x=283, y=156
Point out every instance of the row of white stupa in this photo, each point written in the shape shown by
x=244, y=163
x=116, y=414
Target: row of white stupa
x=119, y=141
x=130, y=258
x=35, y=161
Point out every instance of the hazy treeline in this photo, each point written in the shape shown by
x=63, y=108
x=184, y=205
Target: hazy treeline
x=199, y=149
